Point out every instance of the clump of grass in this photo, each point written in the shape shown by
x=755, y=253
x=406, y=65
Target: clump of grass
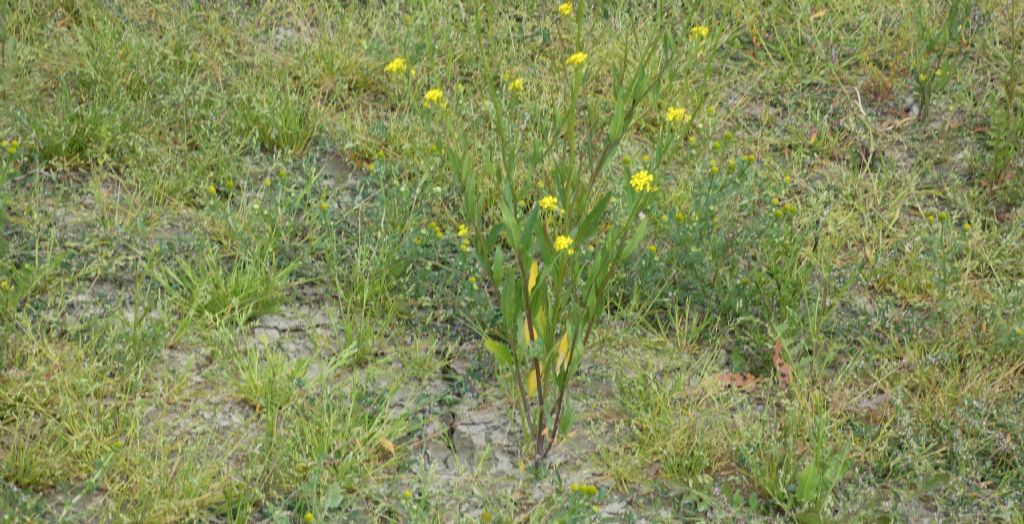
x=245, y=287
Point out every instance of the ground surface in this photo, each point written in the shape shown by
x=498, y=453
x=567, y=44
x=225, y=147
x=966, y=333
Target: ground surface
x=231, y=287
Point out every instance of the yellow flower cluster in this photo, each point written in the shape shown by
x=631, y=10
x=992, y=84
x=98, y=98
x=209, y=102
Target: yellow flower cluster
x=10, y=145
x=565, y=8
x=515, y=85
x=396, y=66
x=576, y=59
x=564, y=243
x=438, y=232
x=699, y=32
x=434, y=98
x=463, y=233
x=549, y=203
x=678, y=114
x=584, y=489
x=642, y=181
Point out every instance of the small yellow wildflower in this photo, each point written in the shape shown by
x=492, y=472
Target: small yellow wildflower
x=922, y=77
x=230, y=184
x=472, y=280
x=642, y=181
x=212, y=190
x=692, y=140
x=549, y=203
x=515, y=85
x=574, y=487
x=486, y=517
x=788, y=179
x=434, y=97
x=699, y=32
x=967, y=226
x=576, y=58
x=281, y=173
x=931, y=219
x=565, y=8
x=308, y=517
x=412, y=73
x=463, y=231
x=12, y=146
x=652, y=248
x=397, y=66
x=5, y=285
x=943, y=216
x=562, y=243
x=323, y=206
x=267, y=181
x=406, y=494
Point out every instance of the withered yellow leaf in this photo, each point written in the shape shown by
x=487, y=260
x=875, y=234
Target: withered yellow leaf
x=534, y=271
x=563, y=353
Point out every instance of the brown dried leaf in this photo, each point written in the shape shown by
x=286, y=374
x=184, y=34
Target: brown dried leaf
x=387, y=445
x=783, y=369
x=738, y=380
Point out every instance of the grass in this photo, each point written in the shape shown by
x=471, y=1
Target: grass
x=231, y=287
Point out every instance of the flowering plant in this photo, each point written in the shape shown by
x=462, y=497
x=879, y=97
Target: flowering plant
x=549, y=226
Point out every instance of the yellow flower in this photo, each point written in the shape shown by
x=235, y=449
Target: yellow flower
x=398, y=66
x=563, y=242
x=549, y=203
x=434, y=97
x=699, y=32
x=308, y=517
x=472, y=280
x=515, y=85
x=323, y=206
x=565, y=8
x=12, y=146
x=677, y=114
x=642, y=181
x=967, y=226
x=212, y=189
x=576, y=58
x=463, y=230
x=407, y=494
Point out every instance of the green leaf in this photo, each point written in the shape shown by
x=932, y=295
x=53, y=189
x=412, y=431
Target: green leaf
x=634, y=241
x=499, y=350
x=568, y=417
x=508, y=218
x=332, y=499
x=592, y=220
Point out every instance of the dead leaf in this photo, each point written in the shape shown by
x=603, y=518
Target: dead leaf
x=785, y=372
x=387, y=445
x=819, y=14
x=738, y=380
